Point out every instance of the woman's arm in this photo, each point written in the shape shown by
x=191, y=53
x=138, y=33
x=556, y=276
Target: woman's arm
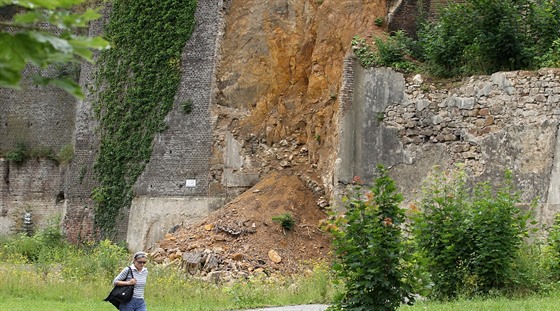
x=120, y=280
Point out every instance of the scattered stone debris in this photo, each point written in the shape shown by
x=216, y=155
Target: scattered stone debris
x=240, y=239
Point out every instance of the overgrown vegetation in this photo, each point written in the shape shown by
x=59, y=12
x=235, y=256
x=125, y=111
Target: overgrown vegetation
x=466, y=240
x=19, y=154
x=370, y=249
x=22, y=153
x=474, y=37
x=553, y=251
x=46, y=272
x=138, y=79
x=470, y=235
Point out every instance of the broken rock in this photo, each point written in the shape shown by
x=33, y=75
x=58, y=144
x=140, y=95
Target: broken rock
x=273, y=255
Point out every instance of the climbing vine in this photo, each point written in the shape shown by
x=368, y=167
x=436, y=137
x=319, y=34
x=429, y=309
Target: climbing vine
x=137, y=78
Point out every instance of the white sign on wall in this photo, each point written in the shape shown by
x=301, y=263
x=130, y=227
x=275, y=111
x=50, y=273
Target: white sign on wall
x=190, y=183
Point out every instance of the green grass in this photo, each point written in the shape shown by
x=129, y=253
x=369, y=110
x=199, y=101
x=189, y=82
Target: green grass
x=40, y=274
x=536, y=303
x=28, y=288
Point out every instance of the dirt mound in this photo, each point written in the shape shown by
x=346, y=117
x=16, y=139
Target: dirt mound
x=242, y=238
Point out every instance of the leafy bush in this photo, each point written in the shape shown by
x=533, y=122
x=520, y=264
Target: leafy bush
x=529, y=271
x=45, y=246
x=66, y=154
x=370, y=251
x=485, y=36
x=286, y=220
x=19, y=154
x=392, y=52
x=471, y=238
x=552, y=57
x=366, y=56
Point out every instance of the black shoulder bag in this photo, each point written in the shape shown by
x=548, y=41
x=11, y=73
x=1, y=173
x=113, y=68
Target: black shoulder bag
x=121, y=294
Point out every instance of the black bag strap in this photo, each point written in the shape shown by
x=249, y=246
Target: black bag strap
x=129, y=272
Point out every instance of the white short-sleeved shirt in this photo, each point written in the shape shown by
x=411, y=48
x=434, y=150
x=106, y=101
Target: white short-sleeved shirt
x=140, y=276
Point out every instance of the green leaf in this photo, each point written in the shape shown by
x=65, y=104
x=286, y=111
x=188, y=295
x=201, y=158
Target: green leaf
x=97, y=43
x=90, y=15
x=57, y=43
x=17, y=49
x=47, y=4
x=66, y=84
x=27, y=18
x=9, y=77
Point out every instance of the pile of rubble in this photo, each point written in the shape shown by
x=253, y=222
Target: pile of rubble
x=241, y=239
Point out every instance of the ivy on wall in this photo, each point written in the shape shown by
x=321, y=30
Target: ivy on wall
x=137, y=78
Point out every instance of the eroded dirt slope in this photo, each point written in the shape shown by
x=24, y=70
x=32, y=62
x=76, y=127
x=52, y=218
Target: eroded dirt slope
x=242, y=237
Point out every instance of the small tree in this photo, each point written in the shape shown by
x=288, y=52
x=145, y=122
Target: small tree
x=369, y=248
x=471, y=238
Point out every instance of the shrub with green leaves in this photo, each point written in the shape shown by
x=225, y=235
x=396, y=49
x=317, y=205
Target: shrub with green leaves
x=471, y=235
x=19, y=154
x=45, y=246
x=370, y=249
x=485, y=36
x=285, y=220
x=392, y=52
x=551, y=58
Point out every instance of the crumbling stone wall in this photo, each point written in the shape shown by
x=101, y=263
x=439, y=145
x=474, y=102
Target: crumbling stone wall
x=34, y=188
x=42, y=118
x=506, y=121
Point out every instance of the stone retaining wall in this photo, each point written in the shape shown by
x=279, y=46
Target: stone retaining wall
x=506, y=121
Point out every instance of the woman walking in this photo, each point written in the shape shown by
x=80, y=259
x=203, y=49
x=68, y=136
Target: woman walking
x=138, y=279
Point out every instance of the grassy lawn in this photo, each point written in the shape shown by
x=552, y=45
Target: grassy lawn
x=70, y=279
x=26, y=288
x=543, y=303
x=88, y=304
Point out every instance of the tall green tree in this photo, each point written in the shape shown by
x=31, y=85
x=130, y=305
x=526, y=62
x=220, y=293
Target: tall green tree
x=24, y=40
x=371, y=256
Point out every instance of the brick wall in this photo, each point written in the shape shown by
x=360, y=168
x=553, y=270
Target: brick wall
x=183, y=150
x=41, y=118
x=38, y=116
x=35, y=188
x=405, y=14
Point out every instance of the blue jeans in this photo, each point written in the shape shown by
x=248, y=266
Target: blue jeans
x=136, y=304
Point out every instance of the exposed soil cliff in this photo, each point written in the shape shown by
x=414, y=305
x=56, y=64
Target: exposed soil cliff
x=278, y=82
x=279, y=78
